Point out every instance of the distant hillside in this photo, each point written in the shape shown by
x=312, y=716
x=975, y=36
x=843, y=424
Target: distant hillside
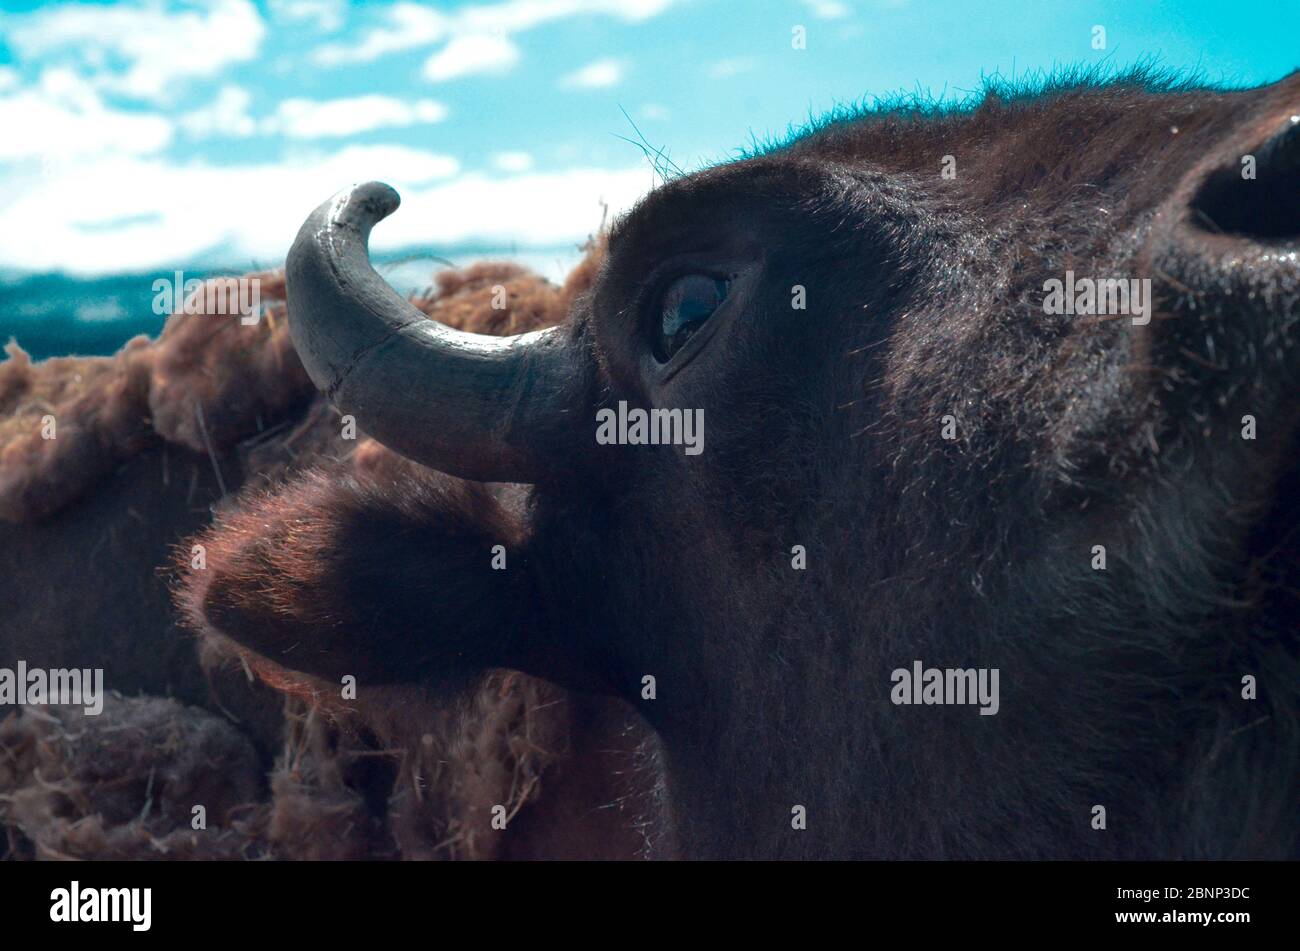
x=55, y=315
x=60, y=315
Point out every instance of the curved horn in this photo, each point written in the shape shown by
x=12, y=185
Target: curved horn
x=471, y=405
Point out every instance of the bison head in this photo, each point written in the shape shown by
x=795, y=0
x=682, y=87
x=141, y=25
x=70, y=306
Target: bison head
x=910, y=454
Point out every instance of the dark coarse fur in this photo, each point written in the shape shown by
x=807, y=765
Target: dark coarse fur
x=1120, y=688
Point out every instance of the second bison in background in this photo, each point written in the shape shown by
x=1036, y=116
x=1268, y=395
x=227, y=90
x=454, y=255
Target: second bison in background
x=908, y=460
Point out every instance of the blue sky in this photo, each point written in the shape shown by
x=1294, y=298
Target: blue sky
x=150, y=133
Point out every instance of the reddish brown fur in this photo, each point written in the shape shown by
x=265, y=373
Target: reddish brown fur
x=519, y=742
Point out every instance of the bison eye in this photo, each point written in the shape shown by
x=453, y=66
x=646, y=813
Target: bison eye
x=684, y=306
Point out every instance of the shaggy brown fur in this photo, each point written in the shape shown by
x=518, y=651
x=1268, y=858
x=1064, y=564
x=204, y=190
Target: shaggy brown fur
x=145, y=438
x=124, y=784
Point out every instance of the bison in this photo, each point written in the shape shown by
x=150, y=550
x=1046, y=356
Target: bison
x=149, y=441
x=913, y=461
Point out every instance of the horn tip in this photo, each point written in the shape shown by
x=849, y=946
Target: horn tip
x=365, y=204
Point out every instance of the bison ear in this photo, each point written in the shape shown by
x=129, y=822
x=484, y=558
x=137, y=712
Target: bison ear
x=423, y=578
x=1224, y=342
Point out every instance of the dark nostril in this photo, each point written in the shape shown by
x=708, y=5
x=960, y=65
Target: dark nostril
x=1266, y=206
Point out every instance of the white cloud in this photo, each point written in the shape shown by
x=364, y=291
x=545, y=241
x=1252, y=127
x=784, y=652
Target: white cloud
x=512, y=161
x=828, y=9
x=469, y=54
x=138, y=213
x=358, y=163
x=308, y=119
x=226, y=116
x=157, y=48
x=92, y=185
x=725, y=69
x=598, y=75
x=326, y=15
x=514, y=16
x=64, y=118
x=135, y=213
x=541, y=208
x=407, y=26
